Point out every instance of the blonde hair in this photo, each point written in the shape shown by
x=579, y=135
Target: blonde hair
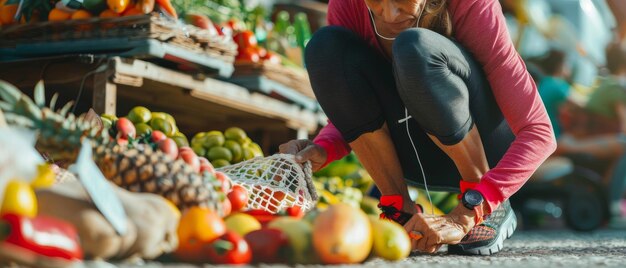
x=436, y=17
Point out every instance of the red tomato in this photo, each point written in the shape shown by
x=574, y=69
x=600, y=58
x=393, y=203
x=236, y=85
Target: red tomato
x=295, y=211
x=203, y=160
x=168, y=146
x=187, y=155
x=157, y=136
x=267, y=245
x=125, y=128
x=205, y=165
x=207, y=168
x=229, y=248
x=248, y=55
x=245, y=40
x=226, y=182
x=236, y=25
x=238, y=197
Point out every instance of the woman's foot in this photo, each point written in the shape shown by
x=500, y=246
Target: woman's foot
x=488, y=237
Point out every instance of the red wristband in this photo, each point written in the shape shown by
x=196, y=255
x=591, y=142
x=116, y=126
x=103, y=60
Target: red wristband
x=466, y=185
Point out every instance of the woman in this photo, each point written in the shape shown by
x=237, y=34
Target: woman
x=414, y=105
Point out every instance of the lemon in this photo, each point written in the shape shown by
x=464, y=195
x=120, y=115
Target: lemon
x=214, y=133
x=219, y=152
x=198, y=149
x=170, y=118
x=248, y=153
x=256, y=149
x=198, y=138
x=109, y=116
x=142, y=129
x=158, y=115
x=106, y=122
x=245, y=142
x=220, y=163
x=139, y=114
x=180, y=139
x=235, y=134
x=19, y=198
x=211, y=141
x=242, y=223
x=391, y=242
x=235, y=149
x=163, y=125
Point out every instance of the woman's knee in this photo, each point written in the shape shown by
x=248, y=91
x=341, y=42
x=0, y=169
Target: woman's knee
x=430, y=82
x=427, y=53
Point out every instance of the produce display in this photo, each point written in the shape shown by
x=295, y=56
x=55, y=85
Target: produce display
x=225, y=148
x=132, y=165
x=57, y=10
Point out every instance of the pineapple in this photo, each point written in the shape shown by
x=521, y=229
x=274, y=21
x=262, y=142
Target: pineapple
x=136, y=167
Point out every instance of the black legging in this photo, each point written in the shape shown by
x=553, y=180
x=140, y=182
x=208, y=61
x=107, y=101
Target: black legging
x=438, y=82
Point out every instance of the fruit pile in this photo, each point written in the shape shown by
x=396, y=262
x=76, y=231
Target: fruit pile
x=332, y=190
x=144, y=126
x=55, y=10
x=341, y=234
x=225, y=148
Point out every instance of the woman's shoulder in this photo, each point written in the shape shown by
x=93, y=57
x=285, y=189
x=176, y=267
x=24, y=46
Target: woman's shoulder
x=345, y=4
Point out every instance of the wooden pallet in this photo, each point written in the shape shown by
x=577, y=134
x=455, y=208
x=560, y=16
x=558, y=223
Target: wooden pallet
x=297, y=79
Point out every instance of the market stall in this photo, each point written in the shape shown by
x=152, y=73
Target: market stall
x=146, y=130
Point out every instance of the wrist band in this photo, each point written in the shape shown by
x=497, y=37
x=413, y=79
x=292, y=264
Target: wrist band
x=464, y=186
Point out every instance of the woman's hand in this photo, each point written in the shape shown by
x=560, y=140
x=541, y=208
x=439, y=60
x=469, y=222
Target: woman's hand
x=439, y=230
x=305, y=150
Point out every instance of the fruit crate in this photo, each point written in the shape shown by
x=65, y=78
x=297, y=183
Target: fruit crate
x=150, y=37
x=282, y=82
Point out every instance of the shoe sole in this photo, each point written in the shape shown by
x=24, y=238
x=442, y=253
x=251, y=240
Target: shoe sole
x=510, y=224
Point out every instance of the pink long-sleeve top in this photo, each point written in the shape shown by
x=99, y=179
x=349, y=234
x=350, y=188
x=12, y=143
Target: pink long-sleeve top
x=479, y=26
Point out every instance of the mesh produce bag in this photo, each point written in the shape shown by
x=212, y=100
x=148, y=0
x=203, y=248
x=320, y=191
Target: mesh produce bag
x=275, y=183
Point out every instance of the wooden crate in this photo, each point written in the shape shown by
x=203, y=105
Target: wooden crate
x=142, y=36
x=297, y=79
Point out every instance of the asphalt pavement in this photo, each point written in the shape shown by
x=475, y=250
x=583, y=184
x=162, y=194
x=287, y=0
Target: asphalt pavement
x=605, y=248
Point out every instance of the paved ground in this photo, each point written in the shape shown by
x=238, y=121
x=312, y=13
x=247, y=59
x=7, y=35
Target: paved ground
x=528, y=249
x=538, y=249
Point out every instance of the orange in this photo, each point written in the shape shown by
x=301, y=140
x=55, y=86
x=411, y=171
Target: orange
x=118, y=6
x=7, y=14
x=81, y=14
x=197, y=227
x=58, y=15
x=132, y=11
x=107, y=13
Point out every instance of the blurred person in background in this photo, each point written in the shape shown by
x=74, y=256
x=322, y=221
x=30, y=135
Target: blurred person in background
x=599, y=128
x=553, y=86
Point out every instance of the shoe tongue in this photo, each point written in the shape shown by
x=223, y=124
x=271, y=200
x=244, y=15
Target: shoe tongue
x=395, y=201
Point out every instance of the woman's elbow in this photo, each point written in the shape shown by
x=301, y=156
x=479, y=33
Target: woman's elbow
x=551, y=141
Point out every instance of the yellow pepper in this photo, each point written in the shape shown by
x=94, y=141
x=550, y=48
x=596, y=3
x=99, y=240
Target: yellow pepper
x=45, y=177
x=19, y=198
